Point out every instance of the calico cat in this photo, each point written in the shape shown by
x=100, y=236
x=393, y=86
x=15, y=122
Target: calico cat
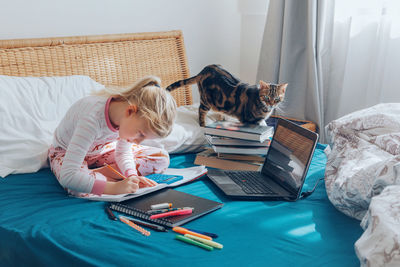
x=221, y=91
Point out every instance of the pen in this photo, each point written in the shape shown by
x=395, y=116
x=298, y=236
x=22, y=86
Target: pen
x=115, y=171
x=171, y=213
x=110, y=214
x=153, y=226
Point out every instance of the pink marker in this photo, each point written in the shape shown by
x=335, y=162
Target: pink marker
x=172, y=213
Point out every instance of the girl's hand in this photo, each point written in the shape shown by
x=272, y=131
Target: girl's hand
x=126, y=186
x=144, y=182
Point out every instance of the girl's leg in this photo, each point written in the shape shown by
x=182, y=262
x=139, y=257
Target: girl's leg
x=150, y=159
x=97, y=163
x=106, y=171
x=56, y=157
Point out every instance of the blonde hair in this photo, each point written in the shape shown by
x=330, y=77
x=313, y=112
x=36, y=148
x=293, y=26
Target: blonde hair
x=154, y=103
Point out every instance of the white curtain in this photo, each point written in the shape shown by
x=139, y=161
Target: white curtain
x=337, y=56
x=365, y=60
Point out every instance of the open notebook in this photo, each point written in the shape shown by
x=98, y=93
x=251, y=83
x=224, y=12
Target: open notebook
x=188, y=174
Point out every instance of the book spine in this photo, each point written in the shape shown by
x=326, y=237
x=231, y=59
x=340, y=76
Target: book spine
x=240, y=150
x=228, y=141
x=251, y=158
x=234, y=134
x=139, y=214
x=225, y=164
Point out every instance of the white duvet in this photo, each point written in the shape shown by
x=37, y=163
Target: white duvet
x=363, y=163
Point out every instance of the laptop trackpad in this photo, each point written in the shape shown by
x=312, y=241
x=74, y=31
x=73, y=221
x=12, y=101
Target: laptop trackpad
x=223, y=180
x=229, y=186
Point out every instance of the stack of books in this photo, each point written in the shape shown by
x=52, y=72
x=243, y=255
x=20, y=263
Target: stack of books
x=235, y=146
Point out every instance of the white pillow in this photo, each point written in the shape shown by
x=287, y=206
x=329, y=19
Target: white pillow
x=186, y=135
x=30, y=110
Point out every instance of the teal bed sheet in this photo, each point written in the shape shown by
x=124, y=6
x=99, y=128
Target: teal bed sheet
x=41, y=226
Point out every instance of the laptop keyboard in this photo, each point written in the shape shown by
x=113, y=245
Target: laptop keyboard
x=250, y=182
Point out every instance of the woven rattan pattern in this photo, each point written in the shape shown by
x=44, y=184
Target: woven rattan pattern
x=112, y=60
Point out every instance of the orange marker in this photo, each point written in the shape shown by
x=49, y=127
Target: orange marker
x=115, y=171
x=135, y=226
x=184, y=231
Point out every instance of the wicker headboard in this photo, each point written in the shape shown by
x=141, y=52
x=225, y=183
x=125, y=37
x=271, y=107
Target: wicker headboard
x=115, y=59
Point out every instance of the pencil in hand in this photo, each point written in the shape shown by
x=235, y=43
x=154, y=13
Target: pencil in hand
x=115, y=171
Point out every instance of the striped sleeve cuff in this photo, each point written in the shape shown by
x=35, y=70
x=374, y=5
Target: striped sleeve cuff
x=130, y=172
x=98, y=187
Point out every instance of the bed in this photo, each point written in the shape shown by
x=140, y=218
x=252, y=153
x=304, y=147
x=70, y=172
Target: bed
x=40, y=225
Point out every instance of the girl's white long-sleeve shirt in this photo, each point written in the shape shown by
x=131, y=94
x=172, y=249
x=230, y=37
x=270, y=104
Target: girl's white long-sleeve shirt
x=84, y=131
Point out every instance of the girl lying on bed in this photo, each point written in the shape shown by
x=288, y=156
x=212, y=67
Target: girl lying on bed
x=107, y=128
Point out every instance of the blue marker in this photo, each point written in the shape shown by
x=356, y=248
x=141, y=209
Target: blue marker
x=203, y=233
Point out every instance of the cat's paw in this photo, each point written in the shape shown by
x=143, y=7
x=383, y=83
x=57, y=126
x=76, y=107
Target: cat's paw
x=262, y=123
x=221, y=117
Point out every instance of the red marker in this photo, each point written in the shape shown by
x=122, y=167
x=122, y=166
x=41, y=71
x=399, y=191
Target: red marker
x=171, y=213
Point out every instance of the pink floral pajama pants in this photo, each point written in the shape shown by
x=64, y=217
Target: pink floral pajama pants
x=148, y=159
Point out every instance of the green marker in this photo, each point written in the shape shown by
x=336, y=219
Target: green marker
x=190, y=241
x=205, y=241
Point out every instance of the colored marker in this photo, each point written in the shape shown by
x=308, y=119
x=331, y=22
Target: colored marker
x=204, y=233
x=161, y=206
x=184, y=231
x=205, y=241
x=171, y=213
x=165, y=210
x=193, y=242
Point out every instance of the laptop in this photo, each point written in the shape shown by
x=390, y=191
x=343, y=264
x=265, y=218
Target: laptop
x=284, y=170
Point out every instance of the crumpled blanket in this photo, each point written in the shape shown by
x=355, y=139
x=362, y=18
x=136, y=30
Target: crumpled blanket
x=379, y=245
x=362, y=179
x=365, y=157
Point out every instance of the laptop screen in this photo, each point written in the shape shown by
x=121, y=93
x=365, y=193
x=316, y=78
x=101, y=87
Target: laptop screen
x=288, y=156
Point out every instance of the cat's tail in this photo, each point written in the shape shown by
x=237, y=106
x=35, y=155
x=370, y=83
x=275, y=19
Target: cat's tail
x=181, y=83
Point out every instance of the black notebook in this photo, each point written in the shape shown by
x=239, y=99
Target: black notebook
x=137, y=207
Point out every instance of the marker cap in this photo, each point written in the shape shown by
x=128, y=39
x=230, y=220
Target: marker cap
x=161, y=206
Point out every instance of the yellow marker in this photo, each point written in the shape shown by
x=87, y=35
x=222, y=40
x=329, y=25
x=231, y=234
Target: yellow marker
x=205, y=241
x=193, y=242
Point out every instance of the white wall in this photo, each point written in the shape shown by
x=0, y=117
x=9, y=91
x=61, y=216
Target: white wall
x=227, y=32
x=252, y=29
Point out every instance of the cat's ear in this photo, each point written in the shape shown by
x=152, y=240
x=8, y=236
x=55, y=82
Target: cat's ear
x=264, y=85
x=282, y=88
